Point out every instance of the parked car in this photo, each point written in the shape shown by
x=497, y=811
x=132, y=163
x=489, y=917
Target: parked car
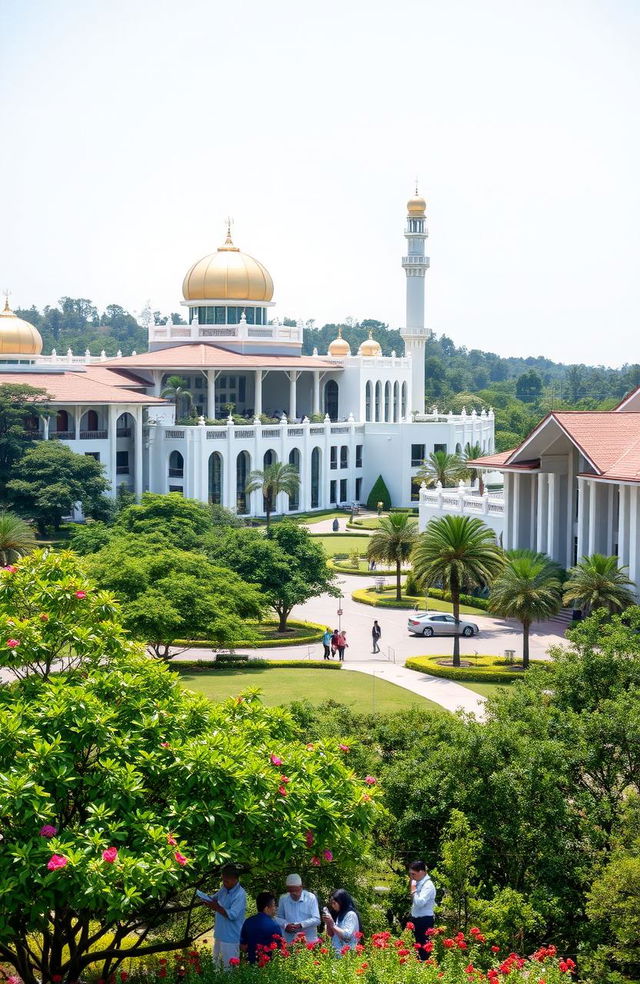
x=435, y=623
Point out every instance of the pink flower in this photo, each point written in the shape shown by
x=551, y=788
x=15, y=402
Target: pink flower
x=48, y=830
x=171, y=840
x=180, y=858
x=81, y=594
x=344, y=748
x=315, y=861
x=12, y=643
x=10, y=568
x=165, y=744
x=110, y=854
x=410, y=926
x=282, y=790
x=327, y=855
x=308, y=838
x=310, y=747
x=275, y=760
x=57, y=861
x=370, y=780
x=285, y=779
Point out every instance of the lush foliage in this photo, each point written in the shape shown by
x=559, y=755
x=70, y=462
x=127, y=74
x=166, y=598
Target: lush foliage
x=16, y=538
x=275, y=478
x=177, y=391
x=392, y=543
x=482, y=669
x=379, y=493
x=50, y=478
x=447, y=469
x=597, y=582
x=19, y=403
x=528, y=588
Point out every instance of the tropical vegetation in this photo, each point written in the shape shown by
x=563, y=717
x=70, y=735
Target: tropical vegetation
x=529, y=589
x=176, y=390
x=16, y=538
x=272, y=480
x=441, y=467
x=598, y=582
x=392, y=543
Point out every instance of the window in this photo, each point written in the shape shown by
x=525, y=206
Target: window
x=440, y=447
x=344, y=456
x=315, y=478
x=367, y=401
x=176, y=465
x=331, y=399
x=122, y=462
x=221, y=314
x=332, y=491
x=294, y=497
x=250, y=314
x=176, y=488
x=215, y=478
x=358, y=456
x=91, y=421
x=417, y=454
x=333, y=462
x=92, y=454
x=343, y=490
x=198, y=382
x=358, y=489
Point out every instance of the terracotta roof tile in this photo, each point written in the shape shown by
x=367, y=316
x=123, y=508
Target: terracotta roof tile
x=81, y=386
x=603, y=436
x=201, y=356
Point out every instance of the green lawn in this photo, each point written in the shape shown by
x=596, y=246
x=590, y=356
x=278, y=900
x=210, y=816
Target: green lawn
x=344, y=544
x=280, y=686
x=485, y=689
x=373, y=522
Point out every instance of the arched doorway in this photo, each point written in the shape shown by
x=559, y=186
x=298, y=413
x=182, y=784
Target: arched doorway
x=316, y=458
x=215, y=478
x=331, y=399
x=243, y=467
x=294, y=498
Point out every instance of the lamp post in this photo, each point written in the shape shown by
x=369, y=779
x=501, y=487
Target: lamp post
x=339, y=612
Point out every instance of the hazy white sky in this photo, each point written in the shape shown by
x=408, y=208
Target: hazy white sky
x=131, y=128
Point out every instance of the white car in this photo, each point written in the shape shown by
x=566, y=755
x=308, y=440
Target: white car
x=435, y=623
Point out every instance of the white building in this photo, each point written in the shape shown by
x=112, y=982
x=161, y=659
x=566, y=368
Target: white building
x=342, y=418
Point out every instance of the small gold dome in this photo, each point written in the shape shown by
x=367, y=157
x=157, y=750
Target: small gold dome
x=416, y=205
x=17, y=337
x=339, y=347
x=370, y=347
x=228, y=274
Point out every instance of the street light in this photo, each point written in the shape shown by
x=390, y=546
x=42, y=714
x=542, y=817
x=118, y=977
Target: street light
x=339, y=612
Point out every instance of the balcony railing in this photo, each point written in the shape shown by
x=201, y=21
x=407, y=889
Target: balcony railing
x=100, y=435
x=62, y=435
x=123, y=432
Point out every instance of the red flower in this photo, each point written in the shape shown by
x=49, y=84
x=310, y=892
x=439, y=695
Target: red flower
x=275, y=760
x=370, y=780
x=162, y=972
x=310, y=747
x=57, y=861
x=171, y=840
x=48, y=830
x=123, y=976
x=469, y=969
x=234, y=962
x=315, y=861
x=427, y=947
x=44, y=617
x=327, y=855
x=56, y=978
x=410, y=926
x=285, y=779
x=282, y=790
x=495, y=949
x=10, y=568
x=12, y=643
x=110, y=855
x=308, y=838
x=448, y=943
x=402, y=960
x=344, y=748
x=344, y=949
x=165, y=744
x=180, y=858
x=81, y=594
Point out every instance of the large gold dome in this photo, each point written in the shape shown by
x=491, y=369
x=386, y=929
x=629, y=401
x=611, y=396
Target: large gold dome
x=370, y=347
x=416, y=205
x=17, y=337
x=339, y=347
x=228, y=274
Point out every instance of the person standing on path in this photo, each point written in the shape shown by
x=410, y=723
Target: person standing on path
x=298, y=911
x=423, y=897
x=334, y=642
x=342, y=645
x=376, y=632
x=326, y=642
x=230, y=905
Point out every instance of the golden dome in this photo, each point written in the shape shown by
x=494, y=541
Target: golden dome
x=370, y=347
x=17, y=337
x=416, y=205
x=339, y=347
x=229, y=275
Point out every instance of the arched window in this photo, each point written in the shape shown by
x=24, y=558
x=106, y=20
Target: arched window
x=367, y=401
x=243, y=467
x=270, y=458
x=215, y=478
x=91, y=420
x=331, y=399
x=294, y=498
x=387, y=401
x=124, y=425
x=378, y=401
x=396, y=402
x=315, y=478
x=62, y=421
x=403, y=405
x=176, y=465
x=458, y=448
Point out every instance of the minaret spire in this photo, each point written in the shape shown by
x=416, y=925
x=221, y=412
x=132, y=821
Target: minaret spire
x=415, y=265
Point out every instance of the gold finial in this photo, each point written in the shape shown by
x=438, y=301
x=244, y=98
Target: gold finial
x=416, y=184
x=228, y=243
x=371, y=334
x=339, y=331
x=6, y=293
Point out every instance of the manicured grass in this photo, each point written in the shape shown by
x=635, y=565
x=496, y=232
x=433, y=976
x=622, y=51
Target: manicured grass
x=360, y=691
x=342, y=544
x=373, y=522
x=485, y=689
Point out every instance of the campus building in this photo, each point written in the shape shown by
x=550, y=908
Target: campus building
x=342, y=418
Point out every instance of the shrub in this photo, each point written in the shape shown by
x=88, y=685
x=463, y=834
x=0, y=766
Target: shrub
x=251, y=663
x=379, y=493
x=486, y=669
x=308, y=632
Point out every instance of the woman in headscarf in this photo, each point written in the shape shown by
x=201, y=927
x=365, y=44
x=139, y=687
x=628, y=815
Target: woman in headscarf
x=342, y=920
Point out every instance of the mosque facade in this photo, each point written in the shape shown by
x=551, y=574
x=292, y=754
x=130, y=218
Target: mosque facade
x=342, y=418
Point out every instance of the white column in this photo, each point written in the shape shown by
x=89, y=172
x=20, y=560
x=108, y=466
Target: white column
x=138, y=439
x=634, y=573
x=541, y=517
x=258, y=393
x=610, y=512
x=293, y=376
x=316, y=391
x=156, y=375
x=552, y=515
x=111, y=434
x=533, y=487
x=211, y=393
x=45, y=424
x=570, y=514
x=623, y=544
x=591, y=540
x=508, y=506
x=515, y=512
x=77, y=416
x=582, y=517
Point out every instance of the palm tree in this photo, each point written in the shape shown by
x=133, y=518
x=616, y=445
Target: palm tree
x=598, y=582
x=441, y=467
x=16, y=538
x=529, y=588
x=458, y=552
x=470, y=453
x=393, y=542
x=277, y=477
x=176, y=390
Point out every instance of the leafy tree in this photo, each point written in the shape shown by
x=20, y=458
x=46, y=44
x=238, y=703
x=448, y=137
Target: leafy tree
x=16, y=538
x=393, y=542
x=471, y=452
x=379, y=493
x=287, y=565
x=176, y=390
x=457, y=871
x=441, y=467
x=528, y=589
x=459, y=553
x=274, y=479
x=529, y=386
x=121, y=793
x=18, y=404
x=51, y=478
x=597, y=582
x=506, y=440
x=574, y=383
x=169, y=594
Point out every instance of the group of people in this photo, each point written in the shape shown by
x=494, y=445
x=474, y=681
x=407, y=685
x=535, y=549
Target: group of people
x=297, y=914
x=336, y=641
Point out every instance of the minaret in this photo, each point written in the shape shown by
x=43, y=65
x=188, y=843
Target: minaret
x=415, y=265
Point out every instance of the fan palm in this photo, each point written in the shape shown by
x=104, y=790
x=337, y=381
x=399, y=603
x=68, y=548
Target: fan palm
x=393, y=542
x=598, y=582
x=16, y=538
x=458, y=552
x=176, y=390
x=470, y=453
x=529, y=589
x=441, y=467
x=275, y=478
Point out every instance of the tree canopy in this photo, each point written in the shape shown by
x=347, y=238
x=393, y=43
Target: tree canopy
x=19, y=403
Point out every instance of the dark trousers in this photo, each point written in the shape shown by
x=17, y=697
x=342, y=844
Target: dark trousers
x=421, y=925
x=376, y=647
x=327, y=651
x=341, y=653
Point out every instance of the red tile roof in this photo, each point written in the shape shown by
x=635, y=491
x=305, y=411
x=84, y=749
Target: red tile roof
x=201, y=356
x=492, y=460
x=81, y=386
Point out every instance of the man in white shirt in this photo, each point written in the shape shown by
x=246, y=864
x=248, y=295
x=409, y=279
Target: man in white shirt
x=423, y=897
x=298, y=911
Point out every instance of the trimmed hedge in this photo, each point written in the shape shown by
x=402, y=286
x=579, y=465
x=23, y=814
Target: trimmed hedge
x=314, y=634
x=252, y=663
x=387, y=599
x=487, y=669
x=341, y=569
x=363, y=535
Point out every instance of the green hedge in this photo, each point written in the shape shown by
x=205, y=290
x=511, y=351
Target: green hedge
x=487, y=669
x=363, y=535
x=314, y=634
x=251, y=663
x=387, y=599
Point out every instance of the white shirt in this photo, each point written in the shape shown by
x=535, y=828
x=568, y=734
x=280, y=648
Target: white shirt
x=349, y=926
x=424, y=897
x=304, y=911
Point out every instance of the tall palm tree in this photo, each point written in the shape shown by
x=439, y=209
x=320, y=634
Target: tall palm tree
x=458, y=552
x=441, y=467
x=470, y=453
x=393, y=542
x=598, y=582
x=529, y=588
x=176, y=390
x=275, y=478
x=16, y=538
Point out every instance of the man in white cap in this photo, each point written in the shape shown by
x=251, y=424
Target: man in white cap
x=298, y=911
